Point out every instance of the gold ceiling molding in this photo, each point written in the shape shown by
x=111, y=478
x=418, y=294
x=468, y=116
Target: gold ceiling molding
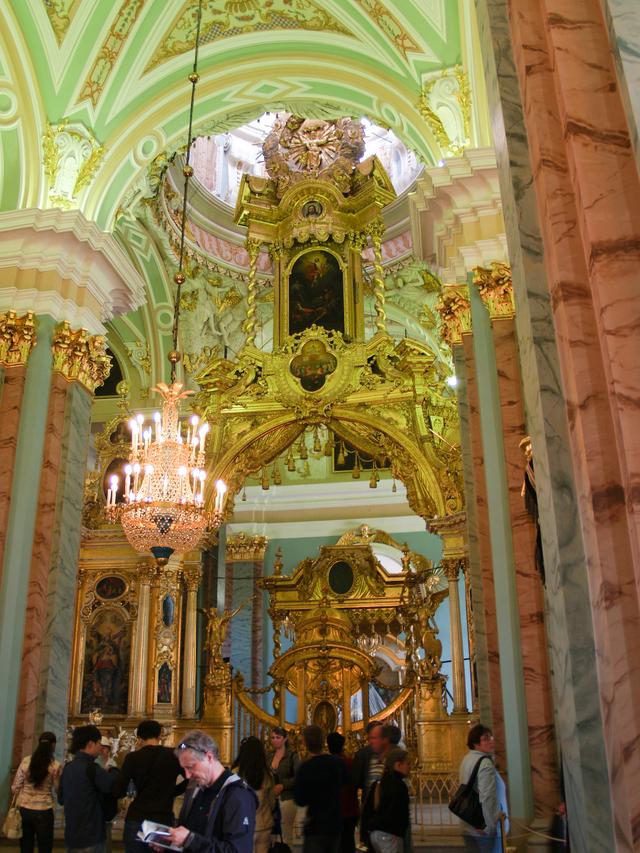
x=108, y=53
x=454, y=309
x=236, y=17
x=245, y=549
x=390, y=26
x=496, y=289
x=17, y=338
x=445, y=104
x=60, y=14
x=71, y=155
x=80, y=357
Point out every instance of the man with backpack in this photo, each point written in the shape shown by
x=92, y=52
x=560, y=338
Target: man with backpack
x=84, y=792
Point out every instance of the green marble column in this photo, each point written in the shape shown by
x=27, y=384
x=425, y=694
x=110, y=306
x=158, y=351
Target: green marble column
x=508, y=621
x=19, y=537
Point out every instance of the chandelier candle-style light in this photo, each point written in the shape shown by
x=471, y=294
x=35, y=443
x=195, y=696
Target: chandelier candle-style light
x=164, y=502
x=164, y=498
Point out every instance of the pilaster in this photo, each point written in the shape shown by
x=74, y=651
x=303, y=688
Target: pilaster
x=495, y=289
x=21, y=524
x=79, y=364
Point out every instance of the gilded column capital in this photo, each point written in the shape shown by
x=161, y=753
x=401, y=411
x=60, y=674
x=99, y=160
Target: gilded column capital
x=495, y=289
x=454, y=308
x=17, y=337
x=358, y=240
x=145, y=572
x=80, y=357
x=451, y=568
x=242, y=548
x=192, y=576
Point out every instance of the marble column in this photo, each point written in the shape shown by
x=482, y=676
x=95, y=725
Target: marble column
x=623, y=20
x=71, y=275
x=79, y=365
x=455, y=314
x=21, y=525
x=452, y=569
x=484, y=546
x=192, y=574
x=140, y=653
x=536, y=201
x=478, y=654
x=17, y=339
x=495, y=290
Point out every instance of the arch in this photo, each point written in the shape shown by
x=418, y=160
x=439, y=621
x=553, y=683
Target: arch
x=227, y=92
x=21, y=124
x=265, y=442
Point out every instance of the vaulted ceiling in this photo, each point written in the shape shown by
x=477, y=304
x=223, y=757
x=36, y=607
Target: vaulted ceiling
x=120, y=68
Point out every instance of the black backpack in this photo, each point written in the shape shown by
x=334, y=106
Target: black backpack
x=108, y=803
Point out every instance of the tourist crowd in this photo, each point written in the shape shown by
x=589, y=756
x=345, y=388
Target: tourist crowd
x=253, y=806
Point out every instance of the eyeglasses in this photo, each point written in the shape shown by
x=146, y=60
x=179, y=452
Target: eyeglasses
x=190, y=746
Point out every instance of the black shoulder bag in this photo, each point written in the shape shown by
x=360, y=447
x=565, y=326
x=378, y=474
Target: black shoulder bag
x=465, y=803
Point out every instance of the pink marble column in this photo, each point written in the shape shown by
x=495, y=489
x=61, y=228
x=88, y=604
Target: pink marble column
x=36, y=614
x=588, y=197
x=46, y=656
x=484, y=543
x=540, y=722
x=10, y=402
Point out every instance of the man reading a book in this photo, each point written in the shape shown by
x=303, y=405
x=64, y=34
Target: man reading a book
x=219, y=810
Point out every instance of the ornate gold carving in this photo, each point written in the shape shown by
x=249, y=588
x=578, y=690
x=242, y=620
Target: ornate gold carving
x=390, y=26
x=376, y=230
x=450, y=93
x=496, y=289
x=107, y=55
x=253, y=248
x=242, y=548
x=17, y=337
x=451, y=568
x=71, y=156
x=60, y=13
x=454, y=309
x=192, y=576
x=216, y=632
x=298, y=149
x=80, y=357
x=223, y=20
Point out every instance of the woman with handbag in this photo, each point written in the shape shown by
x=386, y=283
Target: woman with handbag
x=284, y=763
x=491, y=791
x=34, y=784
x=251, y=765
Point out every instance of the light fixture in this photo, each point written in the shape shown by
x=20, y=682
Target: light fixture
x=163, y=509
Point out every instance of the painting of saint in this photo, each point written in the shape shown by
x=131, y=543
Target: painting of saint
x=105, y=681
x=316, y=292
x=164, y=684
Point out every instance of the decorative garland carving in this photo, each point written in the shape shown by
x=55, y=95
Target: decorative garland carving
x=80, y=357
x=496, y=289
x=454, y=309
x=17, y=338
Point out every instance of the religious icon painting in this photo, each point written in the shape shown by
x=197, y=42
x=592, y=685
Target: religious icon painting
x=111, y=587
x=105, y=683
x=316, y=292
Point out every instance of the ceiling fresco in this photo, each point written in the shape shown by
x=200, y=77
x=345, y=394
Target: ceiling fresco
x=94, y=101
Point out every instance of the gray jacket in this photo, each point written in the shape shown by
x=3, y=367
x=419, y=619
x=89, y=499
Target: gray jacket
x=285, y=775
x=490, y=787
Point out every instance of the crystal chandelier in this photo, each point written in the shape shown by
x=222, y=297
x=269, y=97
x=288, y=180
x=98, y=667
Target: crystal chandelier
x=164, y=497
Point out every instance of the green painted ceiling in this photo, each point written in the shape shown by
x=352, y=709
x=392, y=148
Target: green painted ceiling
x=119, y=68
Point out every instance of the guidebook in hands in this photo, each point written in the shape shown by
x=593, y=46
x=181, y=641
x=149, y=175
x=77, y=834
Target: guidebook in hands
x=158, y=834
